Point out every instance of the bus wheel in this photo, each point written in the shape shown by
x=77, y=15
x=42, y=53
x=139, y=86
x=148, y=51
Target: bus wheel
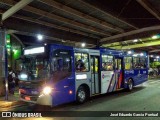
x=130, y=84
x=81, y=95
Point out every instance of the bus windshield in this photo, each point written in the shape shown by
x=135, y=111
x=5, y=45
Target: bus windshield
x=36, y=68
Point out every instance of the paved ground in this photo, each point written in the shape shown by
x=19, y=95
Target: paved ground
x=13, y=100
x=143, y=98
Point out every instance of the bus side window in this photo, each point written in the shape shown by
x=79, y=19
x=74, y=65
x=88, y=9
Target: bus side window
x=128, y=63
x=96, y=65
x=104, y=66
x=80, y=65
x=107, y=62
x=109, y=66
x=143, y=63
x=81, y=62
x=61, y=66
x=139, y=63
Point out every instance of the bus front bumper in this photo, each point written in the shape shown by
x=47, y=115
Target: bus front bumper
x=41, y=100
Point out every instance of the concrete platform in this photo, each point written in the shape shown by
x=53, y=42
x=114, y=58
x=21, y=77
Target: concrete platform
x=13, y=100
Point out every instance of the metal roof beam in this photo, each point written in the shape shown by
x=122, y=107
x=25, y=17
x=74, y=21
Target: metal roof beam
x=30, y=27
x=15, y=8
x=156, y=50
x=43, y=13
x=54, y=26
x=77, y=13
x=67, y=21
x=89, y=5
x=146, y=44
x=50, y=25
x=50, y=40
x=149, y=8
x=105, y=40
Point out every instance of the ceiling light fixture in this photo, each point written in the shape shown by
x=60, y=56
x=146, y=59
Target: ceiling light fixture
x=129, y=52
x=83, y=44
x=135, y=40
x=141, y=54
x=154, y=37
x=40, y=37
x=151, y=55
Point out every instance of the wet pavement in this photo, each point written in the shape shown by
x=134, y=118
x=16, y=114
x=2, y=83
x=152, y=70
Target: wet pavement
x=145, y=97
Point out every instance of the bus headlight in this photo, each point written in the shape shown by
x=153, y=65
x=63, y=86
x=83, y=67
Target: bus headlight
x=47, y=90
x=23, y=76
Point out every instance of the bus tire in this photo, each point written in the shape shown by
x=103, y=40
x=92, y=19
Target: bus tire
x=130, y=85
x=81, y=96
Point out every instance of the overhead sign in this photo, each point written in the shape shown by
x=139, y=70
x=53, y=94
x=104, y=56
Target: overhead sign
x=34, y=51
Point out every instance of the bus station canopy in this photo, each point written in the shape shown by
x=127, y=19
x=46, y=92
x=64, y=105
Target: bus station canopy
x=110, y=23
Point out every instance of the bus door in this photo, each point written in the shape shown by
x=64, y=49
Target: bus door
x=118, y=73
x=95, y=85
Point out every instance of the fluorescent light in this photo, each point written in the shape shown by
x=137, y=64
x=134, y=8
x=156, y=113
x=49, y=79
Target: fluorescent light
x=151, y=55
x=82, y=76
x=129, y=52
x=157, y=57
x=34, y=50
x=141, y=54
x=154, y=37
x=40, y=37
x=83, y=44
x=135, y=55
x=8, y=41
x=23, y=76
x=14, y=50
x=135, y=40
